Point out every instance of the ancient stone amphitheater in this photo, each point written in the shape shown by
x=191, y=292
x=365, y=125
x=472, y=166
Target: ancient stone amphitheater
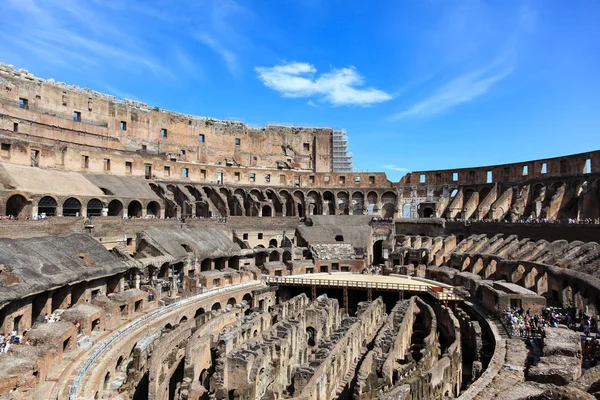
x=146, y=254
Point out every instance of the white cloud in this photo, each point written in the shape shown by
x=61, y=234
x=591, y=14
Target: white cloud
x=393, y=167
x=460, y=90
x=338, y=87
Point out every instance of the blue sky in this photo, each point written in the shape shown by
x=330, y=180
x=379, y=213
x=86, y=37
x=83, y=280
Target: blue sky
x=426, y=84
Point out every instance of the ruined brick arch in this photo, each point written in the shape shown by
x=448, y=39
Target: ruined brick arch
x=273, y=197
x=72, y=207
x=153, y=209
x=542, y=284
x=358, y=203
x=17, y=205
x=467, y=193
x=313, y=203
x=328, y=203
x=529, y=281
x=290, y=204
x=217, y=200
x=517, y=274
x=477, y=266
x=94, y=208
x=275, y=256
x=134, y=209
x=287, y=256
x=372, y=198
x=232, y=302
x=343, y=202
x=267, y=211
x=47, y=205
x=300, y=204
x=216, y=306
x=490, y=269
x=465, y=264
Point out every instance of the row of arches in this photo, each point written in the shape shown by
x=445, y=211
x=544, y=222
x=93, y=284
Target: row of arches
x=18, y=206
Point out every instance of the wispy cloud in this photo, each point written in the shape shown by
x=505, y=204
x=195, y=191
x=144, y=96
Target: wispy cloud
x=393, y=167
x=81, y=35
x=337, y=87
x=483, y=51
x=461, y=89
x=228, y=56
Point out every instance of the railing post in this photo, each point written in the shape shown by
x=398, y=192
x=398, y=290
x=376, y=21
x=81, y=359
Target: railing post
x=346, y=305
x=370, y=294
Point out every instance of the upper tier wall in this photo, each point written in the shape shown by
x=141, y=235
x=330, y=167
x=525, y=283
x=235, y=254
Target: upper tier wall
x=576, y=164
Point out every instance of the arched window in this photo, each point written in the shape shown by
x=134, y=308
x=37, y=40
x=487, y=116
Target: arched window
x=115, y=208
x=15, y=205
x=47, y=205
x=72, y=207
x=94, y=208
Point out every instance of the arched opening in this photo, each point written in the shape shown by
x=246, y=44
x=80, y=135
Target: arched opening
x=206, y=265
x=427, y=212
x=231, y=302
x=106, y=380
x=71, y=207
x=115, y=208
x=287, y=256
x=358, y=203
x=216, y=307
x=199, y=312
x=248, y=299
x=15, y=205
x=273, y=243
x=329, y=203
x=311, y=336
x=47, y=205
x=94, y=208
x=134, y=209
x=378, y=252
x=266, y=211
x=274, y=256
x=153, y=209
x=387, y=211
x=183, y=320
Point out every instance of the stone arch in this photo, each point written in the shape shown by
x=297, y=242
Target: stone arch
x=17, y=204
x=115, y=208
x=378, y=252
x=529, y=281
x=517, y=274
x=248, y=299
x=232, y=302
x=153, y=209
x=216, y=306
x=71, y=207
x=328, y=202
x=313, y=203
x=287, y=256
x=273, y=243
x=358, y=203
x=541, y=286
x=478, y=266
x=290, y=204
x=47, y=205
x=343, y=202
x=274, y=256
x=275, y=201
x=267, y=211
x=94, y=208
x=134, y=209
x=300, y=204
x=388, y=210
x=490, y=269
x=199, y=312
x=465, y=264
x=311, y=336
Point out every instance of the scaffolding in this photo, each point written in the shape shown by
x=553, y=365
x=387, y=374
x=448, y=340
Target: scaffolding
x=342, y=160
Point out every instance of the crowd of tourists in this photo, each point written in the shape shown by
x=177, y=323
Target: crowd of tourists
x=532, y=220
x=526, y=324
